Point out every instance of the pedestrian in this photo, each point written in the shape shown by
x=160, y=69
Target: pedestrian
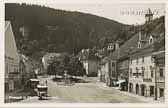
x=46, y=82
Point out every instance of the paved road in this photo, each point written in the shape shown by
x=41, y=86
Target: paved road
x=92, y=92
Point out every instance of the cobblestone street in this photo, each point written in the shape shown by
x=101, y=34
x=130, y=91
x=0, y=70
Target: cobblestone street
x=92, y=92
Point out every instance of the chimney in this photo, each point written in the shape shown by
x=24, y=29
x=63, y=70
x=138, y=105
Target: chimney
x=117, y=45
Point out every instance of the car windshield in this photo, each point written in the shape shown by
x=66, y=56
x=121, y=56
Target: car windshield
x=42, y=89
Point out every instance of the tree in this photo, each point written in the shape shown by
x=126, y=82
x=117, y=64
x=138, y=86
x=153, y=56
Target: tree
x=56, y=65
x=77, y=68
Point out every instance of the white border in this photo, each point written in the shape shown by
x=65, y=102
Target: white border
x=130, y=105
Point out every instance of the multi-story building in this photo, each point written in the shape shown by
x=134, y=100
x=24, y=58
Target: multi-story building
x=108, y=68
x=159, y=57
x=91, y=64
x=12, y=74
x=123, y=61
x=144, y=69
x=103, y=74
x=142, y=66
x=117, y=64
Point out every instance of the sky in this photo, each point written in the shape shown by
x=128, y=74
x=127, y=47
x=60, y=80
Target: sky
x=123, y=13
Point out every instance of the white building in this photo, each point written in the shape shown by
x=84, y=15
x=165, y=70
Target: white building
x=12, y=75
x=142, y=67
x=91, y=64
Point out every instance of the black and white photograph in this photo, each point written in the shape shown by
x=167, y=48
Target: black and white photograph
x=84, y=53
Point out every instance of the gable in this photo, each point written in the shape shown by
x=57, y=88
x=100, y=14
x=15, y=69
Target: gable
x=10, y=44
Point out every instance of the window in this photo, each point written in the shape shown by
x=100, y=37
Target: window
x=143, y=73
x=161, y=72
x=137, y=60
x=15, y=70
x=152, y=59
x=131, y=61
x=142, y=59
x=131, y=72
x=151, y=40
x=152, y=74
x=113, y=73
x=137, y=73
x=113, y=64
x=6, y=68
x=139, y=45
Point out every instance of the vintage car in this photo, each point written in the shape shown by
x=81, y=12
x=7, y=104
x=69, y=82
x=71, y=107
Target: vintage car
x=33, y=83
x=42, y=91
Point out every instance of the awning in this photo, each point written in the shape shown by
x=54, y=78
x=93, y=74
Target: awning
x=120, y=81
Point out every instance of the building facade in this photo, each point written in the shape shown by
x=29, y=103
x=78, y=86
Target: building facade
x=91, y=64
x=12, y=74
x=108, y=70
x=143, y=69
x=159, y=57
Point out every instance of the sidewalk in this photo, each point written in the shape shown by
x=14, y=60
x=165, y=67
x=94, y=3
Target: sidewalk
x=146, y=99
x=142, y=98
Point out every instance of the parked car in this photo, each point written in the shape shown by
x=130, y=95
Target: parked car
x=33, y=83
x=42, y=91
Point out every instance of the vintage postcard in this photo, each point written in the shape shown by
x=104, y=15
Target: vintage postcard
x=97, y=53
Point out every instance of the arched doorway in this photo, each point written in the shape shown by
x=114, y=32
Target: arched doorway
x=130, y=87
x=143, y=90
x=137, y=89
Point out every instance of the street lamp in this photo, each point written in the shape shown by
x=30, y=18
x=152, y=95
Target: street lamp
x=154, y=68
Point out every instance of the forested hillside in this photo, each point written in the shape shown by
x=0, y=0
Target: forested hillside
x=60, y=30
x=52, y=30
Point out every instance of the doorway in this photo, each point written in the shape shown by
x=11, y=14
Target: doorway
x=137, y=89
x=143, y=90
x=151, y=90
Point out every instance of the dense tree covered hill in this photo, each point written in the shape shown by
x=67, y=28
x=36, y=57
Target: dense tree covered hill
x=58, y=30
x=53, y=30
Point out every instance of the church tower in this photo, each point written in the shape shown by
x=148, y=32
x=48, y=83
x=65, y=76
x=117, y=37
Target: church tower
x=149, y=16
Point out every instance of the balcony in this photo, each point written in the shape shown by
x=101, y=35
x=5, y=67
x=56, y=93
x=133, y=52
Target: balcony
x=136, y=75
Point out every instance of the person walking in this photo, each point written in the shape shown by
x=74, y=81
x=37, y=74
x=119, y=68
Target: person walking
x=46, y=82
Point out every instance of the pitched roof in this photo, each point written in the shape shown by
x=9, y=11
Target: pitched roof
x=125, y=48
x=114, y=55
x=159, y=36
x=10, y=44
x=129, y=45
